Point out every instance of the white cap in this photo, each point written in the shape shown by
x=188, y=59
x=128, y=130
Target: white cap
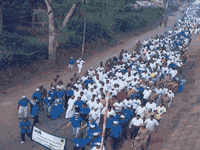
x=115, y=122
x=71, y=57
x=76, y=113
x=24, y=96
x=79, y=58
x=37, y=89
x=52, y=88
x=129, y=106
x=170, y=91
x=148, y=87
x=49, y=98
x=91, y=68
x=59, y=88
x=95, y=134
x=97, y=143
x=122, y=116
x=78, y=81
x=95, y=107
x=92, y=126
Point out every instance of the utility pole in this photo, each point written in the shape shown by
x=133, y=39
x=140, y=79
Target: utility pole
x=84, y=30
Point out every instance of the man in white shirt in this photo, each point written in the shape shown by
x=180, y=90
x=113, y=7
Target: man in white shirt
x=91, y=72
x=95, y=114
x=83, y=97
x=80, y=63
x=152, y=123
x=97, y=146
x=118, y=73
x=140, y=110
x=99, y=105
x=135, y=122
x=118, y=105
x=146, y=93
x=127, y=102
x=91, y=103
x=151, y=105
x=136, y=103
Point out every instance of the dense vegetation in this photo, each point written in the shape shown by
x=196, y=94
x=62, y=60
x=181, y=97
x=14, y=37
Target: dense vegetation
x=16, y=49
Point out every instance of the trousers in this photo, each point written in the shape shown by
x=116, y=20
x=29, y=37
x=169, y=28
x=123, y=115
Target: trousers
x=134, y=132
x=21, y=109
x=35, y=120
x=23, y=135
x=76, y=131
x=115, y=142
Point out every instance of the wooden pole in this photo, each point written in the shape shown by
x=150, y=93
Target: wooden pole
x=104, y=123
x=83, y=45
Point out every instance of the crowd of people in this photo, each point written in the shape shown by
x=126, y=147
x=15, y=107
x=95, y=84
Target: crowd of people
x=138, y=86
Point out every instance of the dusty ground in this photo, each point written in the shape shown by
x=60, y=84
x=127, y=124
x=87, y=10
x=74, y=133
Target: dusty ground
x=10, y=133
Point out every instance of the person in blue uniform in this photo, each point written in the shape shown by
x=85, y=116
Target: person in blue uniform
x=60, y=94
x=76, y=122
x=68, y=93
x=35, y=112
x=109, y=125
x=78, y=104
x=58, y=109
x=96, y=138
x=115, y=134
x=84, y=111
x=23, y=106
x=124, y=124
x=79, y=142
x=37, y=94
x=52, y=93
x=91, y=131
x=71, y=63
x=117, y=116
x=128, y=112
x=25, y=126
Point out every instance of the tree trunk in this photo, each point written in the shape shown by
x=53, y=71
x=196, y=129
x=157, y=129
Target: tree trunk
x=52, y=33
x=69, y=14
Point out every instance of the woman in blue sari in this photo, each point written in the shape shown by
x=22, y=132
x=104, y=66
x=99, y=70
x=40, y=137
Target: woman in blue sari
x=58, y=109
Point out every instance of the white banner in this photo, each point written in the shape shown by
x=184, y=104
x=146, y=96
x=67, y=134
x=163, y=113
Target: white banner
x=50, y=141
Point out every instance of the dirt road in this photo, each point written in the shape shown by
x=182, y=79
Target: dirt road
x=10, y=133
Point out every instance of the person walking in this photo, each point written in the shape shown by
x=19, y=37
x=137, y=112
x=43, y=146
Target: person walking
x=35, y=112
x=71, y=64
x=25, y=127
x=115, y=134
x=136, y=122
x=80, y=63
x=23, y=106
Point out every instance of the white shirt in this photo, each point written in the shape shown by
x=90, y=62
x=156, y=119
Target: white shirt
x=136, y=103
x=112, y=112
x=91, y=73
x=94, y=114
x=136, y=122
x=118, y=106
x=91, y=104
x=150, y=124
x=100, y=106
x=127, y=103
x=152, y=106
x=161, y=110
x=146, y=93
x=140, y=111
x=80, y=62
x=84, y=98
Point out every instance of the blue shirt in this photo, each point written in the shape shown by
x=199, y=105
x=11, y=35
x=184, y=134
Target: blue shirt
x=79, y=103
x=79, y=142
x=52, y=94
x=71, y=61
x=91, y=132
x=76, y=122
x=35, y=109
x=116, y=118
x=46, y=101
x=128, y=113
x=109, y=123
x=23, y=102
x=124, y=122
x=60, y=94
x=87, y=81
x=116, y=131
x=25, y=124
x=70, y=93
x=85, y=110
x=134, y=95
x=38, y=95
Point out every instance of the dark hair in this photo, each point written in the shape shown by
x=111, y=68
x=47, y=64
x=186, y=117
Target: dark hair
x=38, y=102
x=35, y=97
x=137, y=115
x=152, y=116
